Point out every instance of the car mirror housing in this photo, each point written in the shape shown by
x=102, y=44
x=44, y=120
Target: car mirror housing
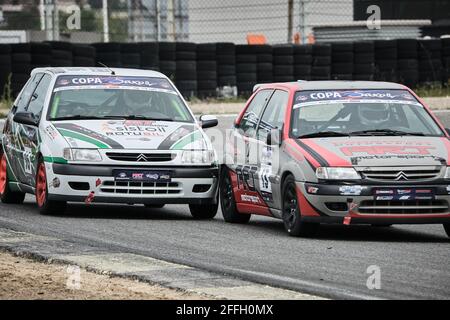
x=26, y=118
x=274, y=137
x=208, y=121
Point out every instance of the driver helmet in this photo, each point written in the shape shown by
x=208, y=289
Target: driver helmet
x=374, y=114
x=136, y=99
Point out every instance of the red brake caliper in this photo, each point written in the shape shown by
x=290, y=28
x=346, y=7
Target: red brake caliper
x=3, y=174
x=41, y=186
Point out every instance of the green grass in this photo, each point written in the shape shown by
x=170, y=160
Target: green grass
x=433, y=91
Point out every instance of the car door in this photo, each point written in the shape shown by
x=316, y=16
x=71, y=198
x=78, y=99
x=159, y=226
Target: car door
x=14, y=132
x=244, y=141
x=272, y=121
x=30, y=134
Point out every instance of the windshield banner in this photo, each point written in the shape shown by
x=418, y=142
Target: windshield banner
x=353, y=96
x=112, y=82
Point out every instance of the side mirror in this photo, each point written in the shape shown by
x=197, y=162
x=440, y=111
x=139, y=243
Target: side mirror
x=26, y=118
x=274, y=137
x=208, y=121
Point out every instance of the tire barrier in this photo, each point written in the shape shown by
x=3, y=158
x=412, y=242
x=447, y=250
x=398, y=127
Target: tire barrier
x=202, y=70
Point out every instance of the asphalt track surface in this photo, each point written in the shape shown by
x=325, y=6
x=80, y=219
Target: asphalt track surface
x=414, y=261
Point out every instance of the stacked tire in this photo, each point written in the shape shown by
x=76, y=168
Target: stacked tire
x=20, y=66
x=283, y=63
x=226, y=64
x=446, y=59
x=246, y=69
x=303, y=59
x=61, y=54
x=186, y=69
x=386, y=60
x=130, y=55
x=41, y=55
x=206, y=70
x=342, y=61
x=149, y=52
x=5, y=66
x=108, y=54
x=430, y=62
x=407, y=62
x=167, y=58
x=264, y=60
x=363, y=60
x=83, y=55
x=321, y=64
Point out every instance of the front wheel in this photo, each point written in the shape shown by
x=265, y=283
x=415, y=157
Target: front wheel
x=6, y=195
x=228, y=203
x=447, y=229
x=45, y=205
x=292, y=214
x=203, y=212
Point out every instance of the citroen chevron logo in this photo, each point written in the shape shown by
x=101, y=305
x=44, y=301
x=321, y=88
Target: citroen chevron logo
x=401, y=176
x=142, y=158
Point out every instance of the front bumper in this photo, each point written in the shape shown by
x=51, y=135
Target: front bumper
x=96, y=183
x=330, y=203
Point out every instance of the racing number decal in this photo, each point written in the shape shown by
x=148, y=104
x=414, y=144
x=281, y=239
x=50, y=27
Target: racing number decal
x=246, y=177
x=265, y=184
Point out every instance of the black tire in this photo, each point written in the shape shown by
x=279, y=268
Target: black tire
x=322, y=50
x=226, y=48
x=303, y=49
x=363, y=46
x=342, y=57
x=246, y=68
x=447, y=229
x=203, y=212
x=303, y=59
x=46, y=206
x=321, y=61
x=186, y=55
x=226, y=59
x=21, y=58
x=342, y=68
x=246, y=58
x=83, y=51
x=60, y=45
x=227, y=201
x=8, y=196
x=363, y=68
x=79, y=61
x=364, y=58
x=283, y=50
x=5, y=49
x=154, y=206
x=265, y=58
x=291, y=212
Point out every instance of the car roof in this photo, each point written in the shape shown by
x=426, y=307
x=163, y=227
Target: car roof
x=100, y=71
x=333, y=85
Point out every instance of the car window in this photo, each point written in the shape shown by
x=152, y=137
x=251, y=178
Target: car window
x=251, y=116
x=24, y=97
x=37, y=99
x=273, y=116
x=94, y=97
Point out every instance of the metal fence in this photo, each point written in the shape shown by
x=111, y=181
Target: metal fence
x=280, y=21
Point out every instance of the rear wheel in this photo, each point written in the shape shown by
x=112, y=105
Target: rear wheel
x=228, y=203
x=45, y=205
x=203, y=211
x=292, y=214
x=447, y=229
x=6, y=195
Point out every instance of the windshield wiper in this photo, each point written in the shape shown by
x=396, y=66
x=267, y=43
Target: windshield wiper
x=386, y=132
x=77, y=117
x=323, y=134
x=138, y=117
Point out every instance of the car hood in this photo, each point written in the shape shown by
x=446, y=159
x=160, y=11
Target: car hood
x=377, y=151
x=131, y=134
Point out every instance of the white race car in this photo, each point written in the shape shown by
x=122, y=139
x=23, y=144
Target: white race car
x=112, y=136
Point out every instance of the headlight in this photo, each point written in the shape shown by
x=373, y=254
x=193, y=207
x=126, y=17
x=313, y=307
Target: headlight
x=327, y=173
x=198, y=156
x=447, y=173
x=89, y=155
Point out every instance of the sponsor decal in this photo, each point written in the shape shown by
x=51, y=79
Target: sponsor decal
x=249, y=198
x=350, y=190
x=51, y=132
x=134, y=128
x=385, y=198
x=142, y=176
x=362, y=96
x=404, y=194
x=114, y=82
x=383, y=150
x=56, y=183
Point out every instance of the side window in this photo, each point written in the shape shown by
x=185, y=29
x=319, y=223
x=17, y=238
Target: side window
x=25, y=96
x=273, y=116
x=37, y=98
x=251, y=117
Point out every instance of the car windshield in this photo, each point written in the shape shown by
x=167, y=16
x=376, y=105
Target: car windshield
x=361, y=112
x=90, y=98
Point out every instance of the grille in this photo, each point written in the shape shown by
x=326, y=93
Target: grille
x=401, y=174
x=141, y=157
x=158, y=188
x=403, y=207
